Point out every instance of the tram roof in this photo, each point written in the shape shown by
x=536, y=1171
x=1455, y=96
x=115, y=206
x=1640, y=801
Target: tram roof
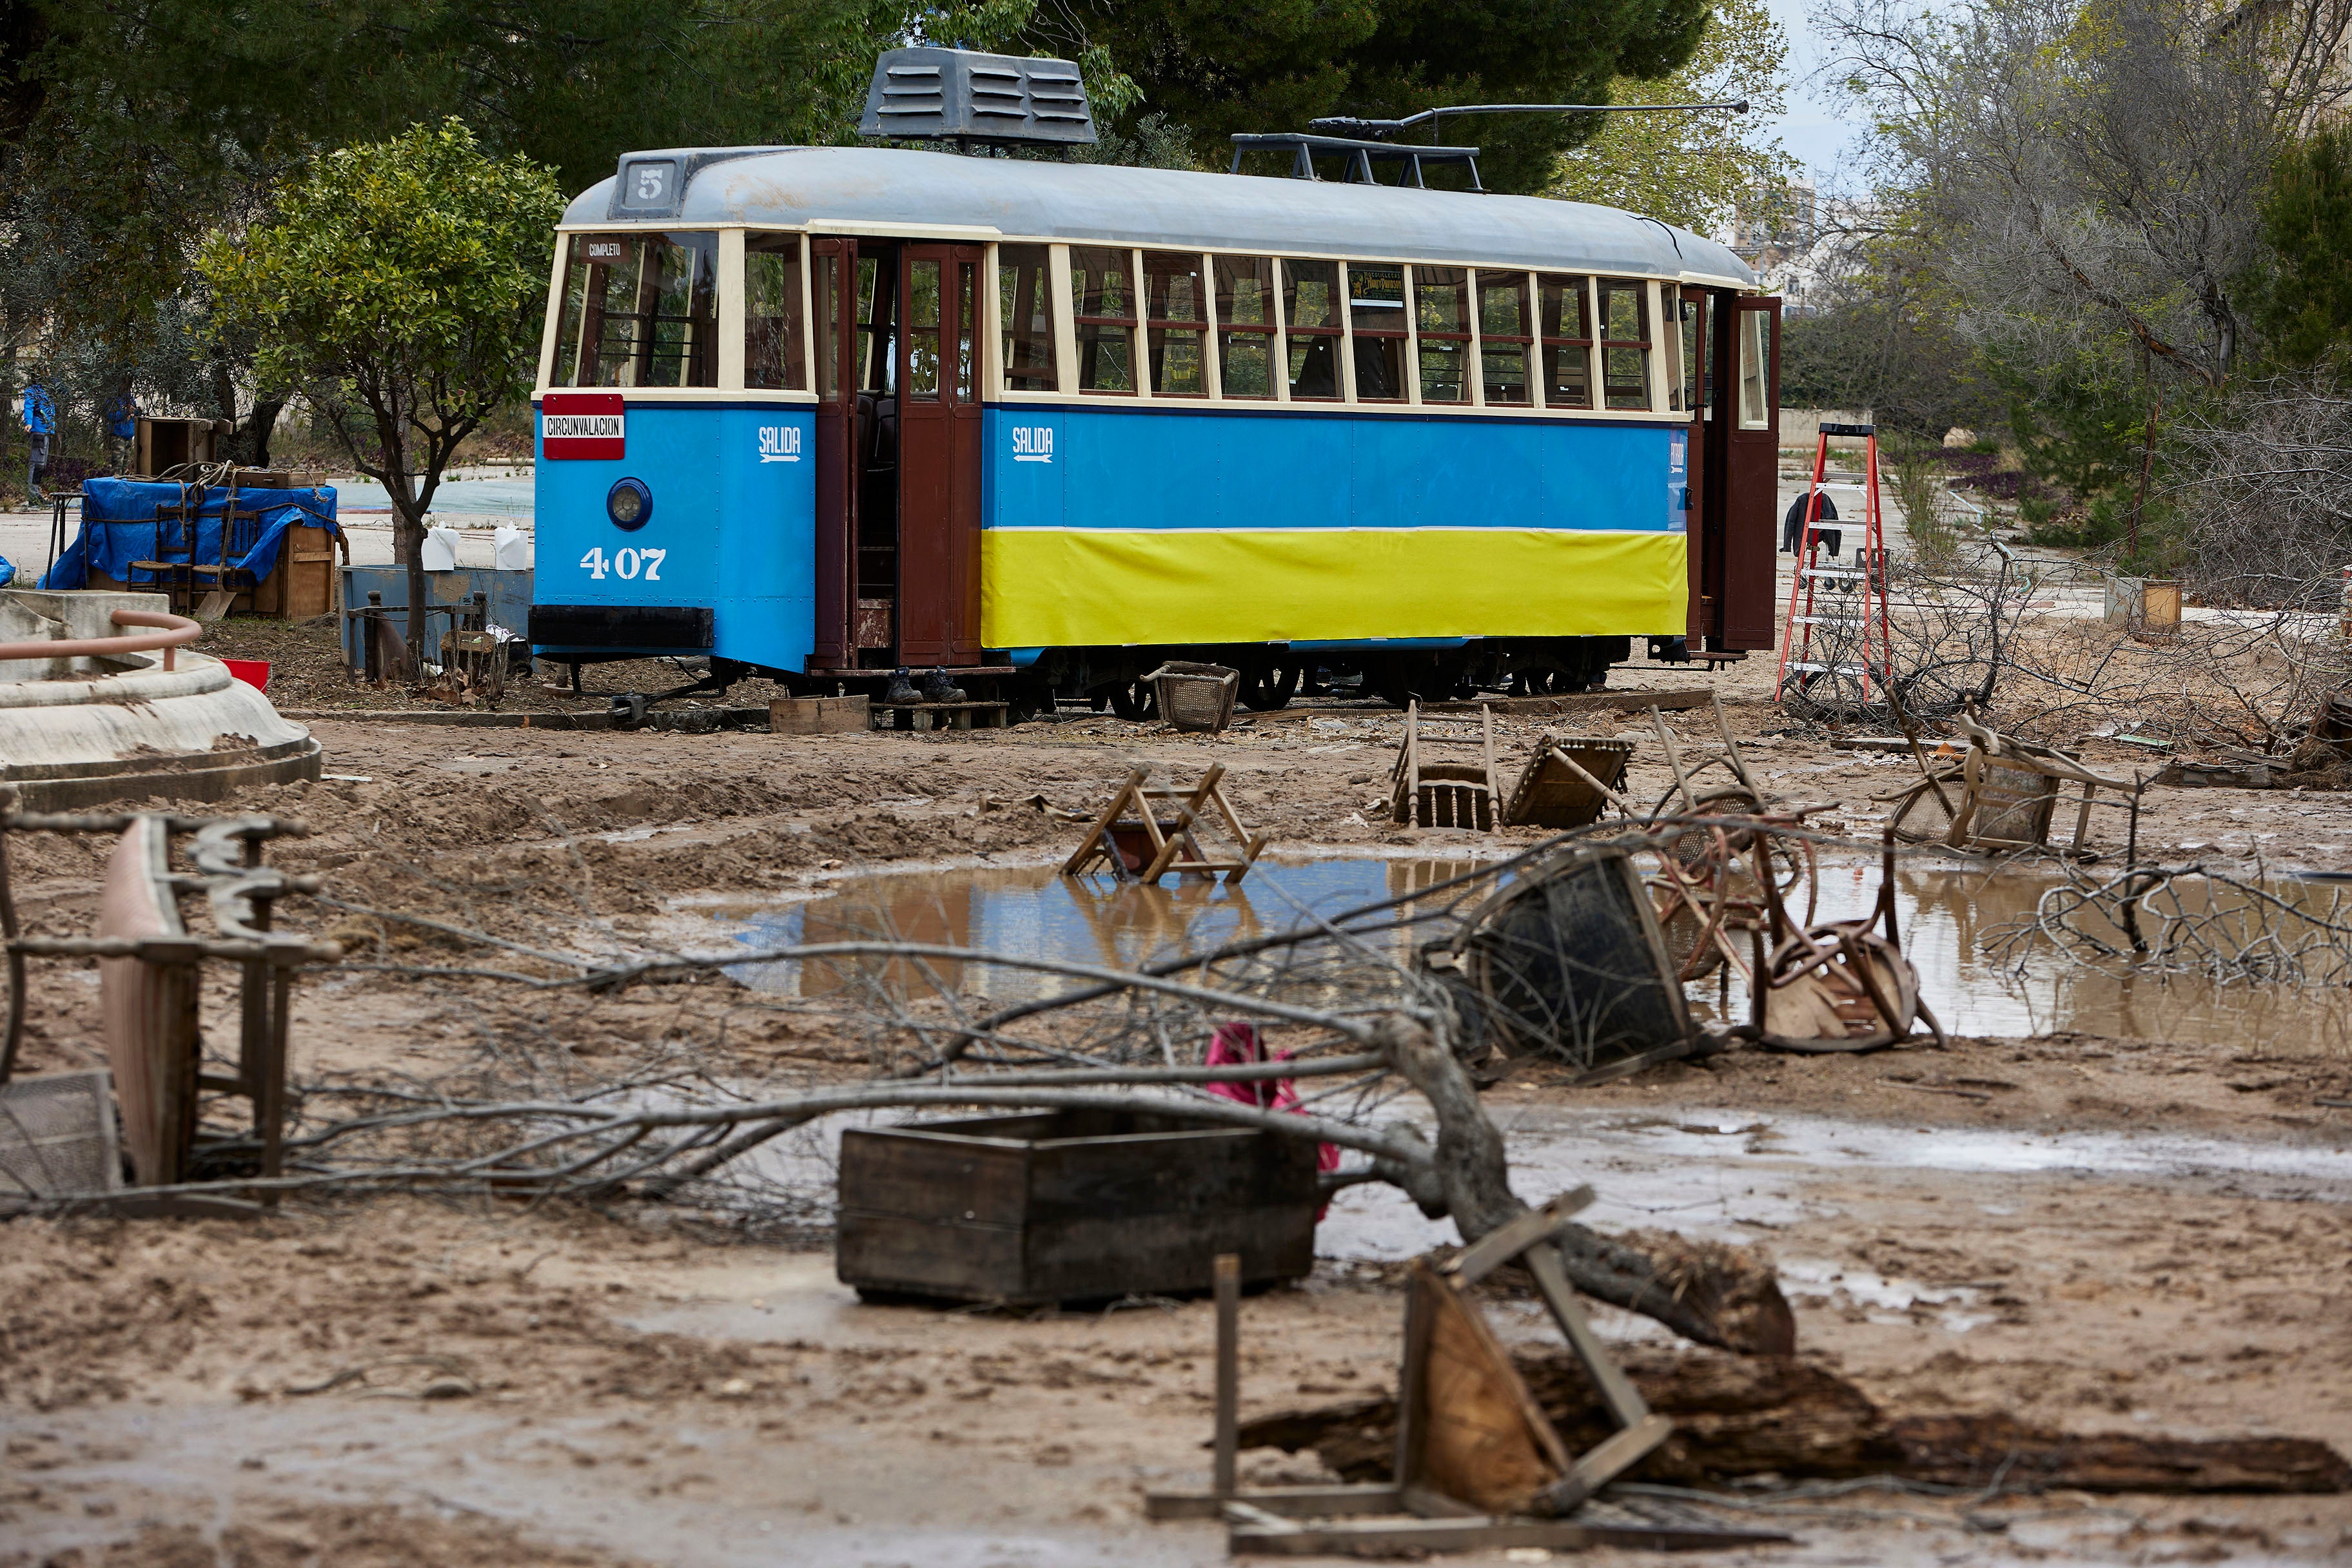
x=848, y=189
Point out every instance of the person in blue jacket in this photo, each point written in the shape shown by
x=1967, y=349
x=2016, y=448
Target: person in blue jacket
x=40, y=424
x=122, y=428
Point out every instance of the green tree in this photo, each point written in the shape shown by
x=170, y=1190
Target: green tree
x=1693, y=169
x=400, y=286
x=2302, y=302
x=130, y=129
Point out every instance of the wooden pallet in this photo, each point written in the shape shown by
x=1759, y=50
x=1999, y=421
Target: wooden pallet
x=942, y=715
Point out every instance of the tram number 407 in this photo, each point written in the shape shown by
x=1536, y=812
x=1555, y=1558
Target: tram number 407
x=626, y=563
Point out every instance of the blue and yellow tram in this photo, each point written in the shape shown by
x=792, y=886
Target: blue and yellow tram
x=821, y=413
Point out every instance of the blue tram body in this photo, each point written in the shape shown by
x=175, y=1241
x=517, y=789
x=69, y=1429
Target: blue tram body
x=822, y=413
x=733, y=532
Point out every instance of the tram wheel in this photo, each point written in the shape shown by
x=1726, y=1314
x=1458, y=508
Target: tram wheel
x=1134, y=700
x=1267, y=687
x=1402, y=680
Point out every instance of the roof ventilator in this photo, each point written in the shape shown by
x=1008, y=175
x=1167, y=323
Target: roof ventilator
x=963, y=96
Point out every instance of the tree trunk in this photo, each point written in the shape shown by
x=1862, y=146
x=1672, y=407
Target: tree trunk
x=251, y=442
x=1715, y=1294
x=407, y=521
x=408, y=549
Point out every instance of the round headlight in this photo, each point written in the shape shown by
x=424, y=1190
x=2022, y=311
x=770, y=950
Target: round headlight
x=629, y=504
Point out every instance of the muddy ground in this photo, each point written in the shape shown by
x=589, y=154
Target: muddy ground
x=2106, y=1229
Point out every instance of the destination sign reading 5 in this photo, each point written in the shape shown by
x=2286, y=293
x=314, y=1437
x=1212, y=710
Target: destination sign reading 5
x=583, y=424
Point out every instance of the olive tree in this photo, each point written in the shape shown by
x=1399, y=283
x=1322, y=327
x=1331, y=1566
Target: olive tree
x=399, y=286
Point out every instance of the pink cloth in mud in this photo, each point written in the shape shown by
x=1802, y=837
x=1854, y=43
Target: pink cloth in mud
x=1237, y=1045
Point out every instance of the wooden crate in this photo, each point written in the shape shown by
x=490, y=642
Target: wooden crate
x=820, y=715
x=1070, y=1205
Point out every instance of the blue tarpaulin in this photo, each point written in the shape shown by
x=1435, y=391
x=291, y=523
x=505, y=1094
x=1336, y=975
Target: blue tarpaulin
x=123, y=520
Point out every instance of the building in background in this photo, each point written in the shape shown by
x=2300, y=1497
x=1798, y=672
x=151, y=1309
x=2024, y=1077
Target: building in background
x=1801, y=244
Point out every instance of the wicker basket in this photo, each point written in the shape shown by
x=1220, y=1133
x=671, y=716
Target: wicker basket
x=1196, y=697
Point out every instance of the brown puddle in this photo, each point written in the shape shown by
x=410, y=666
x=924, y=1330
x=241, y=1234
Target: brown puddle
x=1949, y=915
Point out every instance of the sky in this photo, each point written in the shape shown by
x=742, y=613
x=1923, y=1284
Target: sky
x=1811, y=130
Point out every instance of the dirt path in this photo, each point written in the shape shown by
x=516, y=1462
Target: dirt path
x=636, y=1391
x=2092, y=1231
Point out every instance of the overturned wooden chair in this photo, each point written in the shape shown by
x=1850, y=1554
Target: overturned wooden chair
x=1479, y=1466
x=2002, y=795
x=1144, y=833
x=1689, y=767
x=1569, y=782
x=1444, y=774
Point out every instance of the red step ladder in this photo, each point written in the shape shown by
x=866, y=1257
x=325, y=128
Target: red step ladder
x=1839, y=599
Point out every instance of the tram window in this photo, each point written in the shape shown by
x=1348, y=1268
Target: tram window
x=966, y=329
x=1566, y=341
x=774, y=354
x=1176, y=307
x=1671, y=343
x=827, y=294
x=877, y=308
x=1441, y=309
x=1755, y=371
x=640, y=310
x=1246, y=325
x=923, y=329
x=1310, y=305
x=1026, y=307
x=1102, y=284
x=1626, y=343
x=1691, y=336
x=1376, y=312
x=1505, y=331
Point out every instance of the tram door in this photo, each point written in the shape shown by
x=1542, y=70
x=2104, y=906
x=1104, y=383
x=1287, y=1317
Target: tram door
x=1703, y=508
x=1748, y=420
x=833, y=266
x=856, y=295
x=938, y=455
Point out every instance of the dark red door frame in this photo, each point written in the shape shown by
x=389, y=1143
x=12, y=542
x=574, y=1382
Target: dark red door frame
x=1751, y=488
x=1704, y=620
x=833, y=300
x=939, y=454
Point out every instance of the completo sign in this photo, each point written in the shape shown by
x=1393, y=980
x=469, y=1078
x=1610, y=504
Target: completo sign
x=583, y=424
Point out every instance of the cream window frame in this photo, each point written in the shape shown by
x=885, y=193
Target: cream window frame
x=730, y=310
x=1066, y=333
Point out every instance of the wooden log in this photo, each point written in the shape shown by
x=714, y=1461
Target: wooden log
x=1746, y=1415
x=1970, y=1450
